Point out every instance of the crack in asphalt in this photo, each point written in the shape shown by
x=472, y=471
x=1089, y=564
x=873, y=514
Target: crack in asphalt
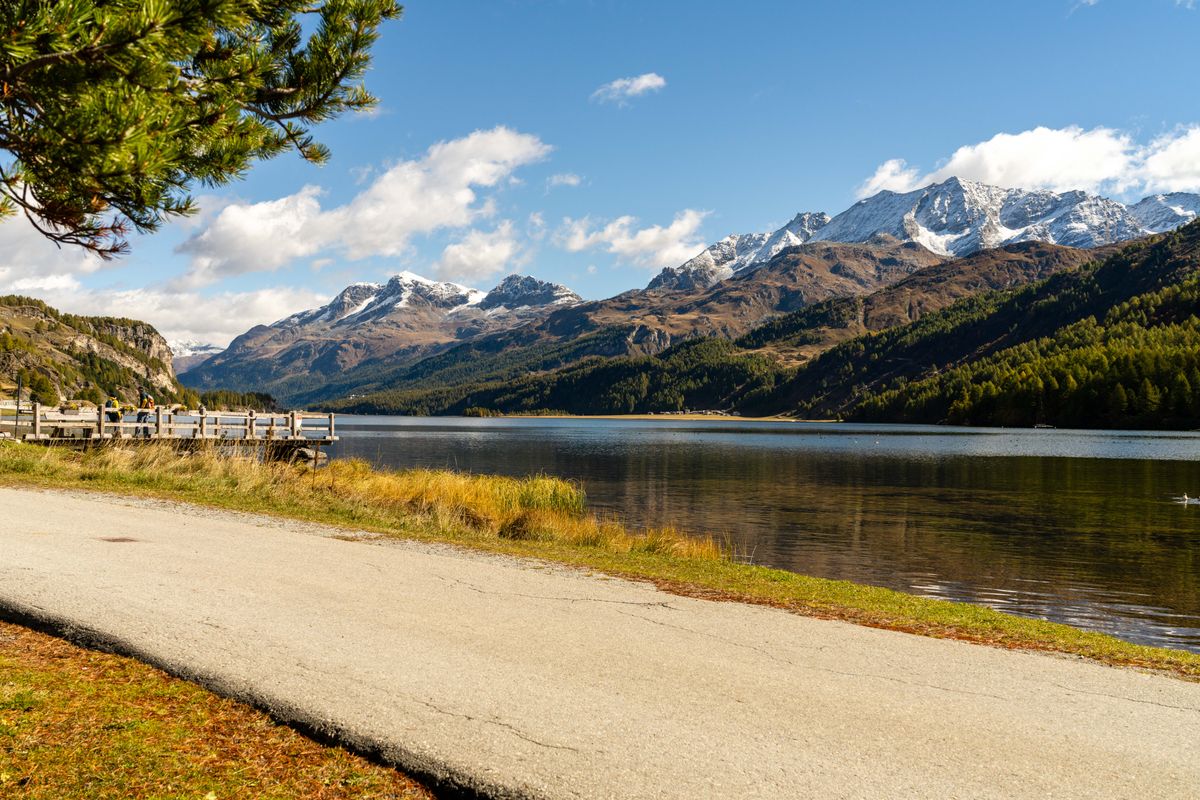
x=731, y=642
x=520, y=734
x=1128, y=699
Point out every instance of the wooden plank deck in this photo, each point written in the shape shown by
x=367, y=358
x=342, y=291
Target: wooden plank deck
x=283, y=431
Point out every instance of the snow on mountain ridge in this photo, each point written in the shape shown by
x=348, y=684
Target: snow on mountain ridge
x=1164, y=212
x=524, y=291
x=959, y=217
x=738, y=253
x=956, y=217
x=185, y=348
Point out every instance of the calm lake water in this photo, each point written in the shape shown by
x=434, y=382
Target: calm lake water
x=1081, y=527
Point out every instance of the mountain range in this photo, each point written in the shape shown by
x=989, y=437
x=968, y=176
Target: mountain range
x=1026, y=334
x=376, y=337
x=953, y=218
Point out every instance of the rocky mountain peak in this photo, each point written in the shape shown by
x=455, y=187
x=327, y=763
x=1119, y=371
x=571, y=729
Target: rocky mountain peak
x=519, y=291
x=408, y=288
x=738, y=252
x=1164, y=212
x=959, y=217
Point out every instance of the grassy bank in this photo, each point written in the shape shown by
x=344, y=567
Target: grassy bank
x=544, y=518
x=77, y=724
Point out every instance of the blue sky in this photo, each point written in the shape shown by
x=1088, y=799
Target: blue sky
x=734, y=116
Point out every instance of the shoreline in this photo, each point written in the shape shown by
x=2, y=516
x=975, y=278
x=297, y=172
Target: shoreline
x=655, y=417
x=546, y=519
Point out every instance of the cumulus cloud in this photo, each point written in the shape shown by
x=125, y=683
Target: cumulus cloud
x=1060, y=159
x=563, y=179
x=28, y=258
x=622, y=89
x=656, y=246
x=184, y=315
x=439, y=190
x=479, y=254
x=892, y=175
x=1172, y=163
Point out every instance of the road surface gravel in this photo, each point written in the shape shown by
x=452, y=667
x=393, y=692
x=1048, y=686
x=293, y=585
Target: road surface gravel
x=510, y=678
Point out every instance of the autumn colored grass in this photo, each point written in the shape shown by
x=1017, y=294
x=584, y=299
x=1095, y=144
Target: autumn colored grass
x=79, y=724
x=547, y=518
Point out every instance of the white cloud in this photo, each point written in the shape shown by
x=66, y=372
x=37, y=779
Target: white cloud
x=893, y=175
x=1172, y=163
x=535, y=229
x=563, y=179
x=439, y=190
x=256, y=237
x=622, y=89
x=27, y=257
x=1060, y=159
x=185, y=315
x=31, y=264
x=479, y=254
x=656, y=246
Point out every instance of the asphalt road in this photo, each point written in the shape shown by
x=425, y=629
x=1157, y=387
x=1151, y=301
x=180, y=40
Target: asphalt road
x=522, y=680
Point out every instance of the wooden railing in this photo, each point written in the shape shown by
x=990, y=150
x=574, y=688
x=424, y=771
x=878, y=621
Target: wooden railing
x=38, y=424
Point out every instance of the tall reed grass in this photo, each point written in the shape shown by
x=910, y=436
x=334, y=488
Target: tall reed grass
x=537, y=508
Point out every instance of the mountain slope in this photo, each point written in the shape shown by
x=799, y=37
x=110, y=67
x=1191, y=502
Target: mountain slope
x=1112, y=343
x=641, y=323
x=369, y=324
x=1164, y=212
x=413, y=332
x=738, y=253
x=797, y=337
x=1052, y=352
x=81, y=357
x=959, y=217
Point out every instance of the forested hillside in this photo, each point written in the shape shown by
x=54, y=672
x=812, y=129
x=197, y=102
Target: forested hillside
x=69, y=357
x=1115, y=342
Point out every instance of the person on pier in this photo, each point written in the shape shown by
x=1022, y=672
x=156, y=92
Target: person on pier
x=112, y=409
x=145, y=406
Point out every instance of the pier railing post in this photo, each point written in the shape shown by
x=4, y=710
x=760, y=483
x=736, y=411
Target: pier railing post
x=294, y=425
x=100, y=421
x=331, y=436
x=37, y=420
x=158, y=423
x=250, y=421
x=203, y=423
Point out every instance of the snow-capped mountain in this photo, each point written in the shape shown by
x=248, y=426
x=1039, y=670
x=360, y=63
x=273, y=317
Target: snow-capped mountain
x=365, y=302
x=525, y=291
x=738, y=253
x=1164, y=212
x=953, y=218
x=407, y=317
x=188, y=353
x=958, y=217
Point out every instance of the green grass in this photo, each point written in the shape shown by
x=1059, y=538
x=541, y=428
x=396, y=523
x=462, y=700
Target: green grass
x=544, y=518
x=77, y=724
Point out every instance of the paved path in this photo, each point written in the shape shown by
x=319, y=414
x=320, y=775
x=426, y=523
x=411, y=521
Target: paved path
x=528, y=681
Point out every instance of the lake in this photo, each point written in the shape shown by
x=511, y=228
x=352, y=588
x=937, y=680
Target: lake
x=1081, y=527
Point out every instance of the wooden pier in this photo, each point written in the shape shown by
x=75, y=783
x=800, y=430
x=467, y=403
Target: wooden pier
x=284, y=435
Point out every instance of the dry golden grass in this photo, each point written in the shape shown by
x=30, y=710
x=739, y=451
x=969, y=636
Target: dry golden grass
x=76, y=723
x=538, y=508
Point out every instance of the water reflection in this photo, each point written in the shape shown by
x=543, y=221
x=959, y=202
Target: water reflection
x=1077, y=527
